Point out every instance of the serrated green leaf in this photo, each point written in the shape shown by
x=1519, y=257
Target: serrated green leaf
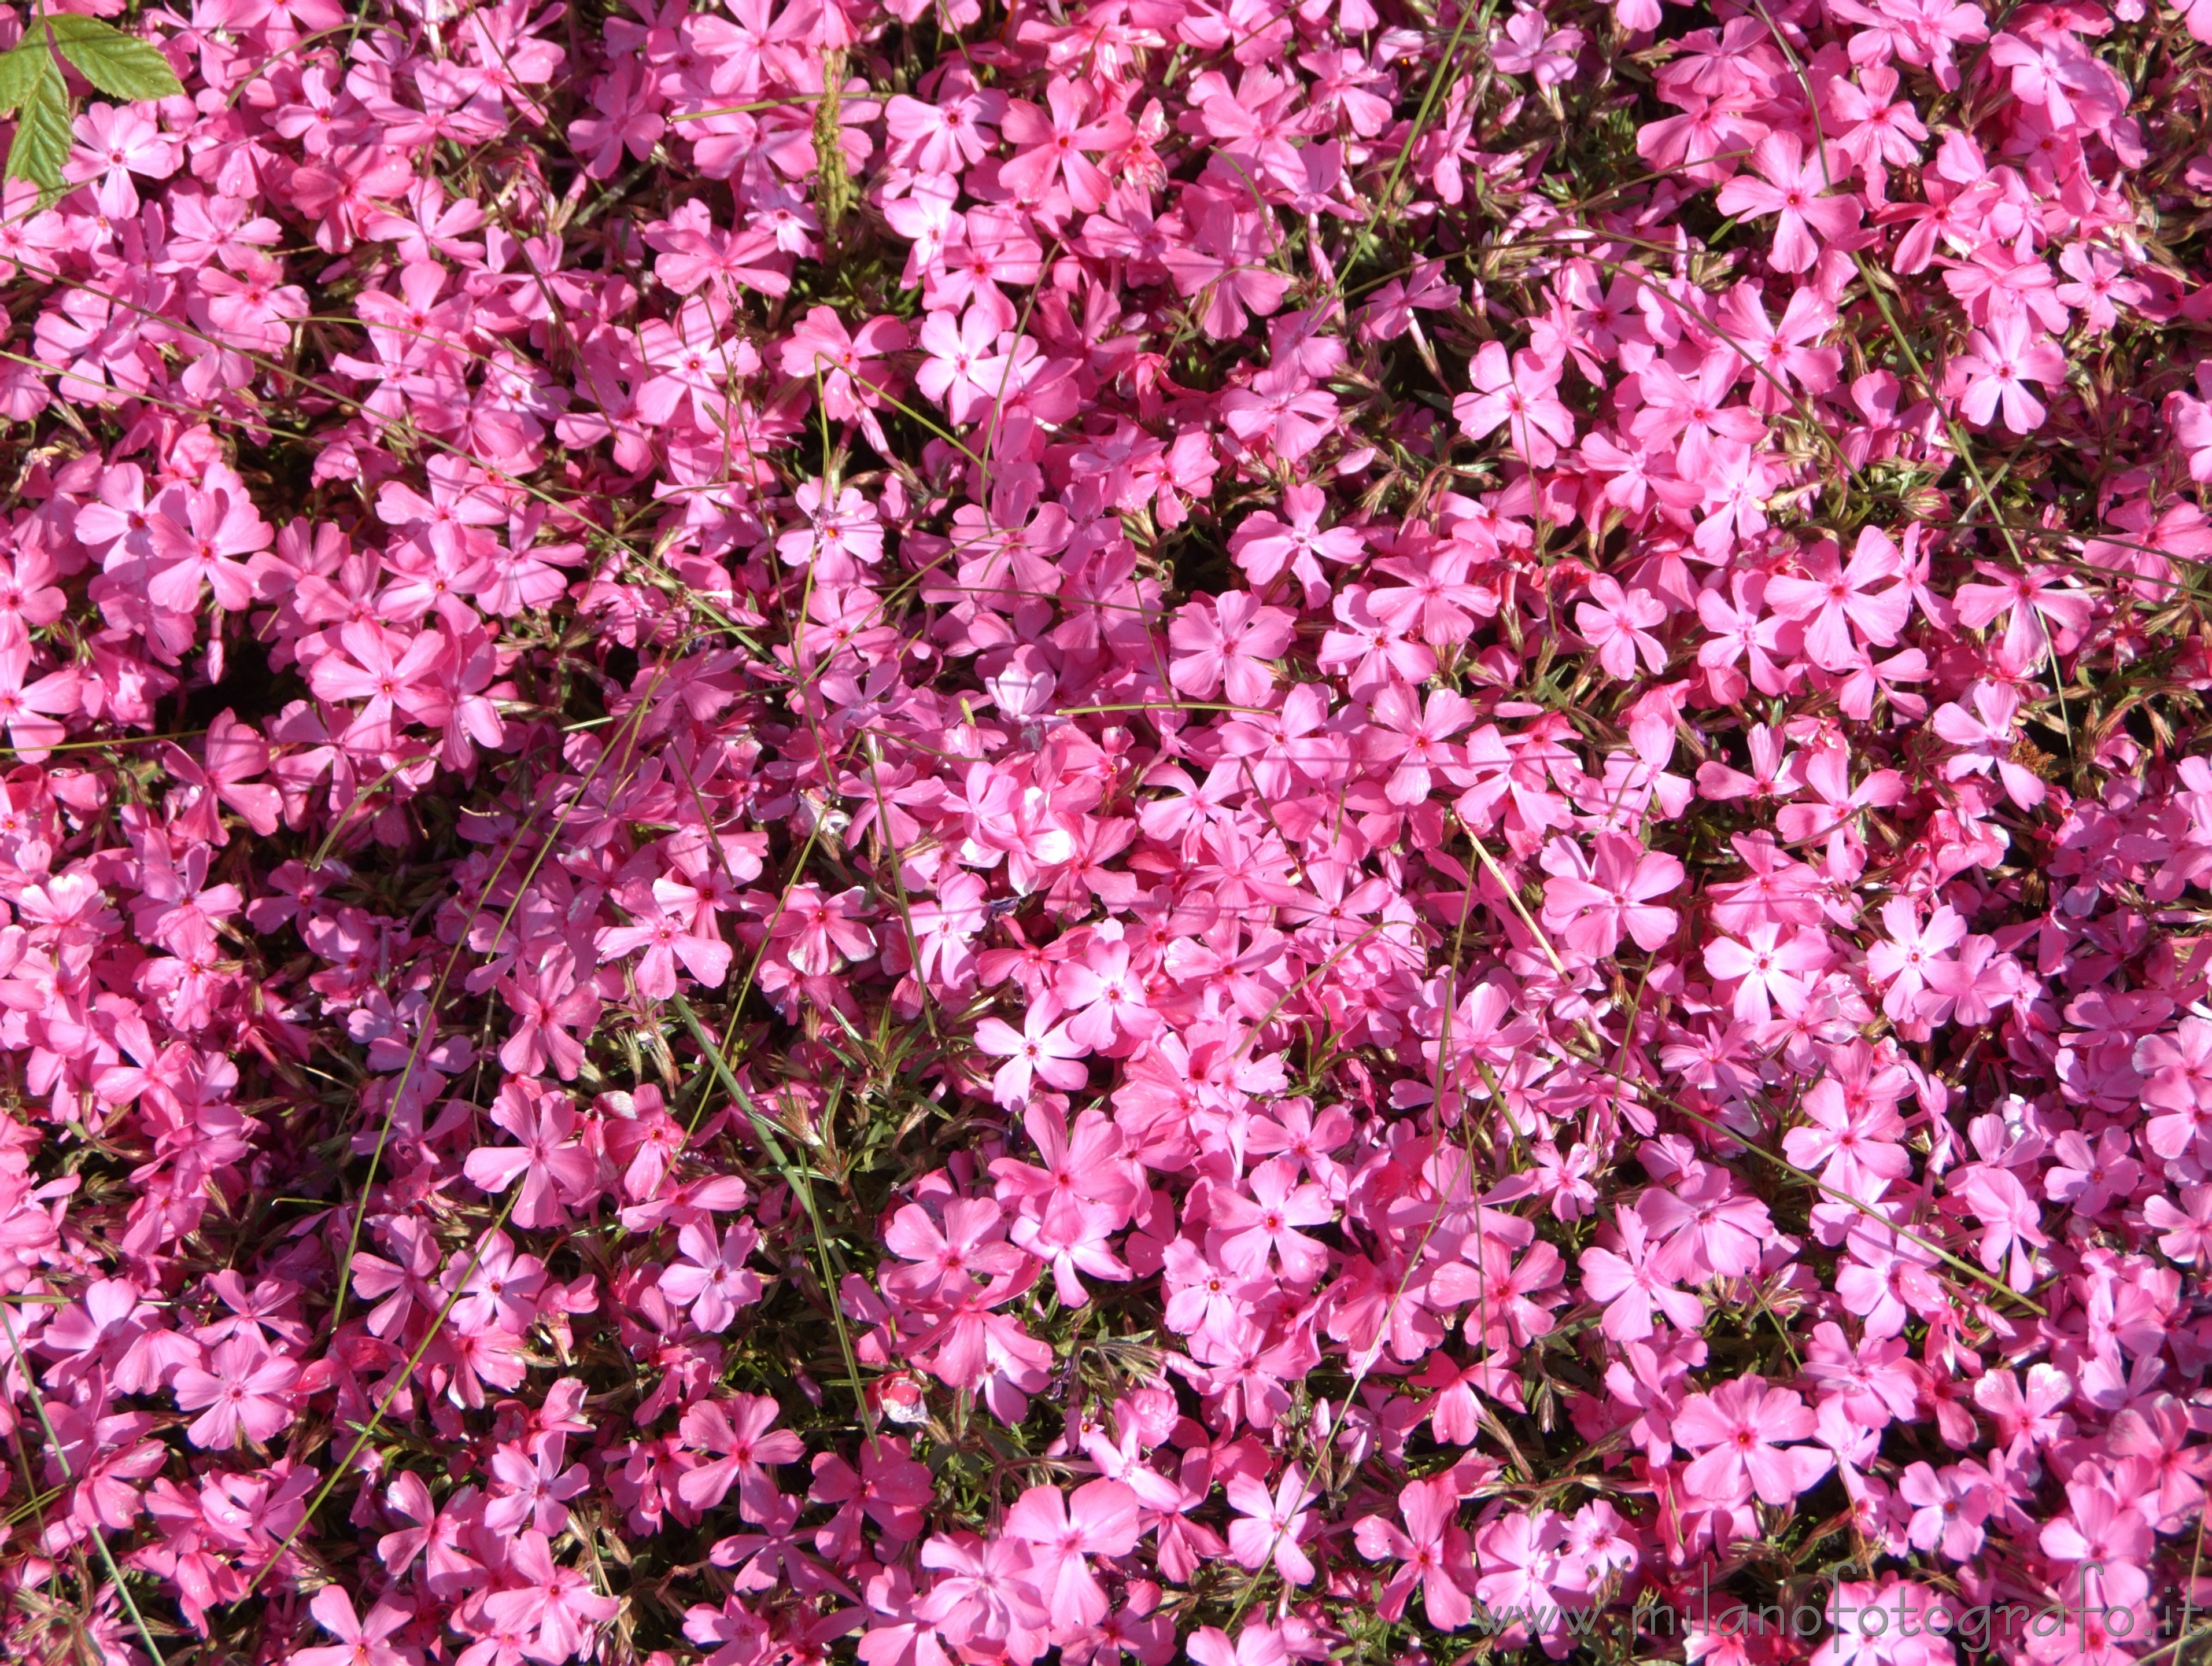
x=43, y=136
x=121, y=66
x=20, y=71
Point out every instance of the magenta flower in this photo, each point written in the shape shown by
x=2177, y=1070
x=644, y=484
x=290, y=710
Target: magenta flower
x=1999, y=364
x=713, y=1280
x=1433, y=1551
x=1741, y=1431
x=1833, y=601
x=665, y=942
x=1517, y=395
x=736, y=1432
x=1252, y=1230
x=1270, y=1526
x=1593, y=907
x=1631, y=1282
x=1618, y=624
x=245, y=1393
x=1043, y=1050
x=361, y=1642
x=1058, y=146
x=112, y=145
x=1794, y=187
x=547, y=1158
x=1063, y=1531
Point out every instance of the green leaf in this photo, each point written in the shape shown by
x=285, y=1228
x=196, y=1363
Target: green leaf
x=43, y=136
x=19, y=73
x=121, y=66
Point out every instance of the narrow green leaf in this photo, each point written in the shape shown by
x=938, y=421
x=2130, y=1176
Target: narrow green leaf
x=19, y=72
x=43, y=137
x=121, y=66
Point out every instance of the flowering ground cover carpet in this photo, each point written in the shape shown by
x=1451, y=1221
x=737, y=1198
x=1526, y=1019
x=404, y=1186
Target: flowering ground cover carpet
x=988, y=831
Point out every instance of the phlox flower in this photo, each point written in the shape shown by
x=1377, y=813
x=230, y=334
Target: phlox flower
x=243, y=1393
x=1432, y=1550
x=547, y=1158
x=1794, y=187
x=1888, y=1624
x=1271, y=1526
x=1631, y=1281
x=713, y=1280
x=1265, y=1224
x=1040, y=1052
x=361, y=1642
x=1995, y=372
x=1593, y=905
x=1740, y=1430
x=1518, y=395
x=113, y=144
x=1063, y=1531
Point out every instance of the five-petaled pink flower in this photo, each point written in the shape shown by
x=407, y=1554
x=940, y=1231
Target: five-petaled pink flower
x=244, y=1389
x=2000, y=362
x=1740, y=1430
x=1796, y=188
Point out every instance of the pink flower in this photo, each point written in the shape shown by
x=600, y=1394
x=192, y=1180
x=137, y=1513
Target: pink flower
x=113, y=144
x=28, y=709
x=1892, y=1624
x=1433, y=1553
x=219, y=525
x=737, y=1432
x=1630, y=1282
x=948, y=1262
x=552, y=1609
x=392, y=674
x=1516, y=394
x=1594, y=906
x=2188, y=1229
x=1107, y=999
x=1911, y=952
x=852, y=375
x=1257, y=1645
x=245, y=1391
x=1741, y=1429
x=1852, y=1141
x=549, y=1004
x=1265, y=1224
x=1618, y=624
x=1041, y=1051
x=959, y=352
x=1834, y=600
x=821, y=934
x=553, y=1166
x=1057, y=146
x=361, y=1642
x=665, y=942
x=1792, y=187
x=2000, y=363
x=1270, y=1526
x=1265, y=545
x=1062, y=1530
x=1768, y=968
x=713, y=1280
x=1415, y=742
x=952, y=132
x=533, y=1488
x=1228, y=643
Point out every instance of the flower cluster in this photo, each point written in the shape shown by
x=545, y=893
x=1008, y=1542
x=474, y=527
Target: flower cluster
x=920, y=830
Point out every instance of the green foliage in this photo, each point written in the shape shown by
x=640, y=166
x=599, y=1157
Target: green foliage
x=121, y=66
x=43, y=137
